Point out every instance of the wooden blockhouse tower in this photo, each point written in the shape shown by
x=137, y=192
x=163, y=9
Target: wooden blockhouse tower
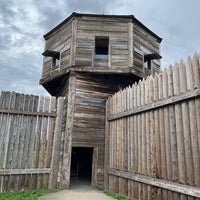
x=87, y=58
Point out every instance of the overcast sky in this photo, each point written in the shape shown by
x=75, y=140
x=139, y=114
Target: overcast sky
x=24, y=22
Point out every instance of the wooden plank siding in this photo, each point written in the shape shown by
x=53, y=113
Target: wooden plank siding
x=155, y=126
x=61, y=41
x=89, y=115
x=75, y=40
x=117, y=32
x=26, y=140
x=68, y=132
x=144, y=43
x=84, y=124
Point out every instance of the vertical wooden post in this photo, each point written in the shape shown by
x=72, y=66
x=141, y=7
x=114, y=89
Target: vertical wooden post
x=43, y=178
x=107, y=139
x=37, y=142
x=56, y=144
x=193, y=125
x=179, y=127
x=130, y=44
x=94, y=167
x=186, y=126
x=73, y=42
x=68, y=133
x=9, y=104
x=50, y=133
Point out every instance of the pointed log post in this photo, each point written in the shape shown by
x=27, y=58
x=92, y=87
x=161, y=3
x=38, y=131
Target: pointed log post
x=56, y=145
x=68, y=132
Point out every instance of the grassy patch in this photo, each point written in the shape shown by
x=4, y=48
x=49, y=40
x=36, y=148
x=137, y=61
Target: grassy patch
x=113, y=194
x=25, y=195
x=116, y=195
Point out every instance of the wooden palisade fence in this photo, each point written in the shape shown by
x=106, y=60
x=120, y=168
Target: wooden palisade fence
x=153, y=136
x=26, y=140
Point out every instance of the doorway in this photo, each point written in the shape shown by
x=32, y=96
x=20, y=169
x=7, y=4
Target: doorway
x=81, y=164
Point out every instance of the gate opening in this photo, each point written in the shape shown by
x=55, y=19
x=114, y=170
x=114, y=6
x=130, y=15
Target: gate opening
x=81, y=164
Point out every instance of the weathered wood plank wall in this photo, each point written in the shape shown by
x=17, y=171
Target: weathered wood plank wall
x=115, y=29
x=153, y=136
x=144, y=43
x=85, y=120
x=26, y=139
x=74, y=40
x=89, y=116
x=61, y=41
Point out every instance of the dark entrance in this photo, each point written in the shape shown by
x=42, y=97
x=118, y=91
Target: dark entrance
x=81, y=163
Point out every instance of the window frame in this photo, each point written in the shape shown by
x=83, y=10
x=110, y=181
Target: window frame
x=147, y=63
x=101, y=47
x=55, y=62
x=148, y=58
x=55, y=58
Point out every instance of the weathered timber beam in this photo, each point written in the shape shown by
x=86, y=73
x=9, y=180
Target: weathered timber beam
x=6, y=172
x=56, y=145
x=22, y=112
x=155, y=105
x=172, y=186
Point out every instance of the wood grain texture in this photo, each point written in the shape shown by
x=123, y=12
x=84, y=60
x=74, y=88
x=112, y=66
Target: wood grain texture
x=75, y=41
x=165, y=128
x=27, y=140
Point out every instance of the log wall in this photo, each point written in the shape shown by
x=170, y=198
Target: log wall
x=26, y=140
x=153, y=136
x=144, y=43
x=61, y=41
x=128, y=42
x=126, y=39
x=115, y=29
x=89, y=114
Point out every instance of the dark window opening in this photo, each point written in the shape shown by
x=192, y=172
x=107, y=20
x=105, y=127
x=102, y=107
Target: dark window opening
x=81, y=163
x=55, y=57
x=101, y=47
x=147, y=63
x=56, y=61
x=149, y=57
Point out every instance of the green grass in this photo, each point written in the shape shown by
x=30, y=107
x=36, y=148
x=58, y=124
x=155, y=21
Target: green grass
x=25, y=195
x=113, y=194
x=34, y=194
x=116, y=195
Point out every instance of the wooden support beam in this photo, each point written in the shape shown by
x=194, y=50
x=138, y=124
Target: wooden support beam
x=158, y=104
x=68, y=132
x=130, y=44
x=8, y=172
x=23, y=112
x=56, y=145
x=107, y=147
x=172, y=186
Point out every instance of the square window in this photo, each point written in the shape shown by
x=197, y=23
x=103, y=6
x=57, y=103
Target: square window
x=55, y=55
x=149, y=57
x=101, y=47
x=147, y=63
x=56, y=61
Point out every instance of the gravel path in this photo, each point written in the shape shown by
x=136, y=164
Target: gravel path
x=78, y=191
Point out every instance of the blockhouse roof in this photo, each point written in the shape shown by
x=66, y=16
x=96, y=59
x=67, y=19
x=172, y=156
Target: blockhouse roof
x=132, y=17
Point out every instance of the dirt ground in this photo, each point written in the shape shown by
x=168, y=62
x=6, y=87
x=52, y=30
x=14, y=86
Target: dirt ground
x=78, y=191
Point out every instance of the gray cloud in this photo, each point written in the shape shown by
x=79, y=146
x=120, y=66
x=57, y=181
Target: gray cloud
x=88, y=6
x=50, y=14
x=5, y=42
x=7, y=13
x=22, y=24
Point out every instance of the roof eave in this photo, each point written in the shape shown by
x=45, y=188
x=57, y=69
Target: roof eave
x=74, y=14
